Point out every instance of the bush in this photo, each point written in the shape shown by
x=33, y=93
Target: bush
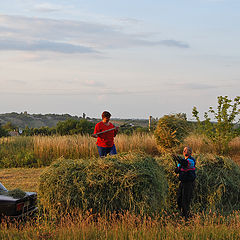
x=170, y=131
x=223, y=130
x=133, y=182
x=3, y=132
x=217, y=186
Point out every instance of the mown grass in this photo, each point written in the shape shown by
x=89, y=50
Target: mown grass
x=26, y=179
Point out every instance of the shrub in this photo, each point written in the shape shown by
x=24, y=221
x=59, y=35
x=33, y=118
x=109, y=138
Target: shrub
x=133, y=182
x=223, y=131
x=217, y=186
x=169, y=132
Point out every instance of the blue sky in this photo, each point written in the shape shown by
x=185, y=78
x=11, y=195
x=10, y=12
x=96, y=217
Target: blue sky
x=133, y=58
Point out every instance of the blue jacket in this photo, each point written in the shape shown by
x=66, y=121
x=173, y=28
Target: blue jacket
x=186, y=169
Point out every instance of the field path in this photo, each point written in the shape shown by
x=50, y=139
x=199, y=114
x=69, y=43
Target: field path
x=26, y=179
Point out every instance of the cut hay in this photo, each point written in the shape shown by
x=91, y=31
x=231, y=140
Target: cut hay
x=15, y=193
x=217, y=186
x=126, y=182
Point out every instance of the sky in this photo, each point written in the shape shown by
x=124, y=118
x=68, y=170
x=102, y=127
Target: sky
x=133, y=58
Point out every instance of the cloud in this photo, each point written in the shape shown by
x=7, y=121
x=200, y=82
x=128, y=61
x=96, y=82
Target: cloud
x=174, y=43
x=39, y=34
x=42, y=46
x=168, y=43
x=47, y=7
x=91, y=83
x=192, y=86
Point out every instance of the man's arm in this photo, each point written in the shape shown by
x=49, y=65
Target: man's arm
x=96, y=130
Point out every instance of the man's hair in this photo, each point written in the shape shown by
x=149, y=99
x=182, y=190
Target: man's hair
x=106, y=114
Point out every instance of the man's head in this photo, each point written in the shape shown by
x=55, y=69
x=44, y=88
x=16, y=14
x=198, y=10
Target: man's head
x=106, y=116
x=187, y=152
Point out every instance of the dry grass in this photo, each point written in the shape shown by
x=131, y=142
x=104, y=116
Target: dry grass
x=78, y=146
x=26, y=179
x=139, y=141
x=127, y=226
x=202, y=145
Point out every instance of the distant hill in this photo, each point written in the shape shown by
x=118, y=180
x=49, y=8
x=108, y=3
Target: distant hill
x=34, y=120
x=50, y=120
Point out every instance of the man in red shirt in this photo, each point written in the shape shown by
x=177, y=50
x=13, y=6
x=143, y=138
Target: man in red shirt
x=105, y=133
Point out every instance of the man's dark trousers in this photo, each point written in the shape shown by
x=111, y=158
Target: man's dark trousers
x=185, y=193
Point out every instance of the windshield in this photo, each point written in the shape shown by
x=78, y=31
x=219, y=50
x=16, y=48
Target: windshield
x=2, y=188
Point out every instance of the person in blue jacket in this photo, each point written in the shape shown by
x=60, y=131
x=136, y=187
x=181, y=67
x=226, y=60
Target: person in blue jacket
x=187, y=175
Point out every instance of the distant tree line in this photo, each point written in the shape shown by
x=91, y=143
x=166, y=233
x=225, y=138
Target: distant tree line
x=67, y=127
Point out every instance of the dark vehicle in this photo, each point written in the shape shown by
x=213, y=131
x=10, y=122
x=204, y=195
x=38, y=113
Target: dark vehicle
x=17, y=207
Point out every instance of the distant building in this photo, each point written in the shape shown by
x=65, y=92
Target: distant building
x=13, y=133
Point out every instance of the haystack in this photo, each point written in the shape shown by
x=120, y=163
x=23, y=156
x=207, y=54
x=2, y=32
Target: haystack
x=126, y=182
x=217, y=186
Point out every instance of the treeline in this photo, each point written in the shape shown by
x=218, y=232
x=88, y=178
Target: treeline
x=67, y=127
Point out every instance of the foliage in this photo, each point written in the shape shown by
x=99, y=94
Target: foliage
x=217, y=186
x=43, y=131
x=72, y=126
x=221, y=132
x=132, y=130
x=170, y=131
x=133, y=182
x=9, y=126
x=3, y=132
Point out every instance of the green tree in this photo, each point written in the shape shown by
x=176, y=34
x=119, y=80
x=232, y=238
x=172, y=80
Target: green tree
x=9, y=126
x=222, y=131
x=72, y=126
x=3, y=132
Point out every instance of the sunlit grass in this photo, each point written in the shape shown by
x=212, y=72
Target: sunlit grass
x=125, y=226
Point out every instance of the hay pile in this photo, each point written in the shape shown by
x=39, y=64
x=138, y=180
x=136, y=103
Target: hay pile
x=217, y=187
x=133, y=182
x=218, y=184
x=15, y=193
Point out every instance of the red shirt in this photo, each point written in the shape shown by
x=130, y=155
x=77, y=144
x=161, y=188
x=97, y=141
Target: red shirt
x=105, y=139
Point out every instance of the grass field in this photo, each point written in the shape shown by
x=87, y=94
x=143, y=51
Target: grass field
x=23, y=178
x=89, y=226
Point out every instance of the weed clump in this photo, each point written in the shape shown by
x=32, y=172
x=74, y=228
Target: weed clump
x=127, y=182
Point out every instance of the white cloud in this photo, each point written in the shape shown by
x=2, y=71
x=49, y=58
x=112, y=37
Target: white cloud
x=39, y=34
x=47, y=7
